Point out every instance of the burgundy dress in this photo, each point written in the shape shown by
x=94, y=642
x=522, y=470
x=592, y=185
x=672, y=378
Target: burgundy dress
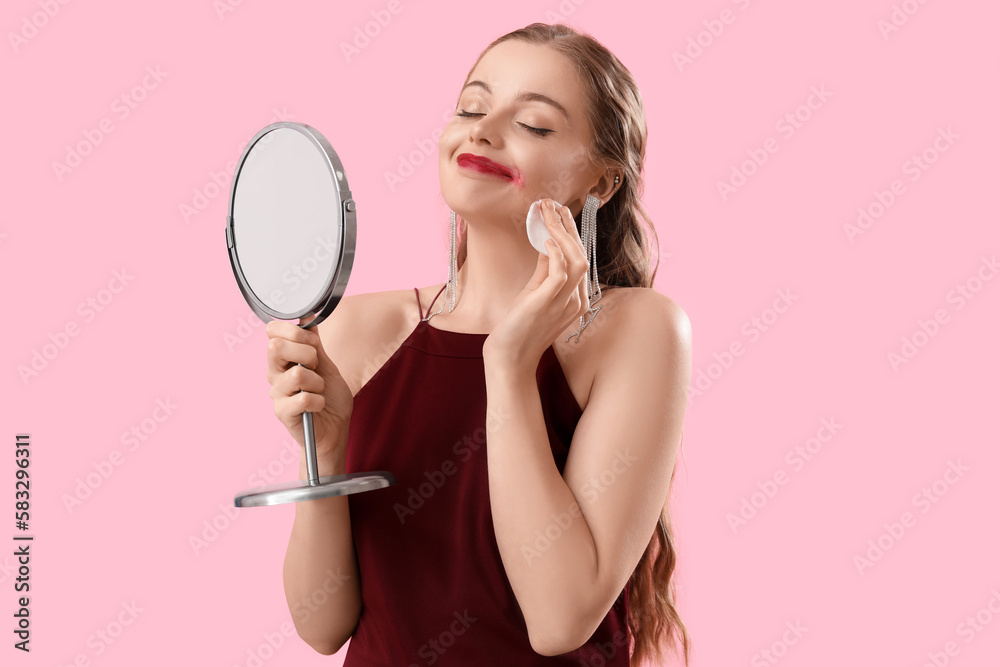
x=433, y=585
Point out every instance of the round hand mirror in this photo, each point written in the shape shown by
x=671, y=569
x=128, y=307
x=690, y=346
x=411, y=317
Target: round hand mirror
x=290, y=233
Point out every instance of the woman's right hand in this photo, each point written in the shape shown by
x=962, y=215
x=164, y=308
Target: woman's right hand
x=315, y=386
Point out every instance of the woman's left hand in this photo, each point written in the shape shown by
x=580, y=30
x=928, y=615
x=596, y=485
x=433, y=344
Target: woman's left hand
x=553, y=298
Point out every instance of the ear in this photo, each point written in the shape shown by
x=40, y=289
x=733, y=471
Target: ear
x=606, y=185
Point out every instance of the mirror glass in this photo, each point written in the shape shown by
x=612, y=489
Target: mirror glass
x=288, y=247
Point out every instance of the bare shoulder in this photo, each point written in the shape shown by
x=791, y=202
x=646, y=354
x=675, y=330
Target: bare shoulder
x=625, y=313
x=631, y=320
x=649, y=326
x=360, y=331
x=647, y=318
x=656, y=309
x=644, y=346
x=633, y=324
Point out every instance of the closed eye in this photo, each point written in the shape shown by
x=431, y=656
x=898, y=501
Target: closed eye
x=536, y=130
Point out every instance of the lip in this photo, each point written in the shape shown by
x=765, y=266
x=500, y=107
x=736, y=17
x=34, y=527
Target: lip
x=485, y=165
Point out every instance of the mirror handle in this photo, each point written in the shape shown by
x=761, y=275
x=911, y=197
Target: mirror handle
x=310, y=436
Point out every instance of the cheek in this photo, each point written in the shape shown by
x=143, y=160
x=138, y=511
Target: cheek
x=539, y=172
x=451, y=134
x=449, y=142
x=550, y=178
x=569, y=172
x=446, y=146
x=445, y=140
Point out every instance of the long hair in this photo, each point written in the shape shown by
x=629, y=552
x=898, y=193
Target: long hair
x=618, y=122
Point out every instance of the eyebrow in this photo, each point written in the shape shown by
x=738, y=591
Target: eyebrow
x=524, y=96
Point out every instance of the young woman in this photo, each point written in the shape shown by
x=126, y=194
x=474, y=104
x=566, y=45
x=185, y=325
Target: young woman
x=533, y=428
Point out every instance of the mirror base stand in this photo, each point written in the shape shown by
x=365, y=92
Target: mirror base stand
x=301, y=490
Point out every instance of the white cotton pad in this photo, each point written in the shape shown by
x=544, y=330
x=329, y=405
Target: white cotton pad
x=538, y=231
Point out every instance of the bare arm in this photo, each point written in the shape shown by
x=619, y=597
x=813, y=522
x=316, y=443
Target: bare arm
x=570, y=542
x=321, y=571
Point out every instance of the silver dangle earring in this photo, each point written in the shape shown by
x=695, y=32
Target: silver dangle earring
x=452, y=274
x=588, y=234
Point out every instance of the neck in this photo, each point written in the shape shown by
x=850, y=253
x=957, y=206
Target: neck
x=497, y=266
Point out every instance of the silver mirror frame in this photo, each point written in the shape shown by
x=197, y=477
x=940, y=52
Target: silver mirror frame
x=323, y=304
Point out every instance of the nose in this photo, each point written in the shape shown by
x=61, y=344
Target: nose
x=485, y=128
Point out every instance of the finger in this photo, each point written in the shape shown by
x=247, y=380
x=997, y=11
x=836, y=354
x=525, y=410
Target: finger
x=289, y=330
x=574, y=259
x=557, y=264
x=286, y=353
x=282, y=354
x=568, y=224
x=563, y=227
x=555, y=224
x=541, y=269
x=572, y=247
x=291, y=406
x=295, y=379
x=577, y=261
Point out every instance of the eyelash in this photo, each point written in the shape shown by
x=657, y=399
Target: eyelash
x=536, y=130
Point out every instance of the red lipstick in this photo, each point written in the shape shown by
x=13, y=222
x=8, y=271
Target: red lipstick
x=487, y=166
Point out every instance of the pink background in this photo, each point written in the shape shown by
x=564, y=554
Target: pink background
x=163, y=337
